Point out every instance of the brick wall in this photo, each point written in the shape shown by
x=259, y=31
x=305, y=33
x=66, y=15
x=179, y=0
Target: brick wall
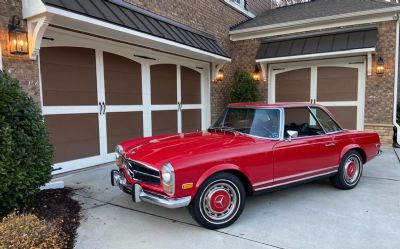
x=215, y=19
x=19, y=67
x=379, y=89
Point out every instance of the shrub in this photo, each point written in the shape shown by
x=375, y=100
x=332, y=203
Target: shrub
x=28, y=231
x=244, y=88
x=26, y=154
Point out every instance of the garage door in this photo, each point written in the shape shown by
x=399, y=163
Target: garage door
x=338, y=85
x=92, y=100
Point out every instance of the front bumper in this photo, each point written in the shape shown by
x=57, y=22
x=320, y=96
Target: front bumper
x=139, y=194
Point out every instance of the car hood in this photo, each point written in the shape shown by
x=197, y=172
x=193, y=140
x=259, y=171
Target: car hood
x=156, y=151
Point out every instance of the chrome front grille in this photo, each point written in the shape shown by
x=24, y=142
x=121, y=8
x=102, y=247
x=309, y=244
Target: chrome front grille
x=142, y=172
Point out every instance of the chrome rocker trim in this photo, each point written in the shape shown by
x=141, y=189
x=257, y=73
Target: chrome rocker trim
x=138, y=194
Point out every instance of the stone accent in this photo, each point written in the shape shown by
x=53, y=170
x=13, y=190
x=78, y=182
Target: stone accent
x=21, y=68
x=385, y=132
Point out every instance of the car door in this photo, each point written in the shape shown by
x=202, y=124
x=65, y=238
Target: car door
x=311, y=154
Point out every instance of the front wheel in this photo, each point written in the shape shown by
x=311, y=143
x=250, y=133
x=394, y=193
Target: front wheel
x=350, y=171
x=219, y=201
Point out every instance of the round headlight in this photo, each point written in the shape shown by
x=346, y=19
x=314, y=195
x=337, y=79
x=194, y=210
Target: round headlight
x=168, y=178
x=119, y=152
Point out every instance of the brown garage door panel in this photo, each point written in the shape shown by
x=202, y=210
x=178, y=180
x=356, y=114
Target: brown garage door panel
x=163, y=84
x=191, y=120
x=68, y=76
x=337, y=84
x=74, y=136
x=345, y=115
x=191, y=86
x=293, y=86
x=164, y=122
x=123, y=80
x=123, y=126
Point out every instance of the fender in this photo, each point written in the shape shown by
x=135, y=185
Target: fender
x=347, y=148
x=218, y=168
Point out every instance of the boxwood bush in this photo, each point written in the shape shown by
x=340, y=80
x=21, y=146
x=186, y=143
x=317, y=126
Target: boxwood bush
x=26, y=153
x=244, y=88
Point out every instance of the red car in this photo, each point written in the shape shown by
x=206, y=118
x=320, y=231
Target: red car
x=250, y=149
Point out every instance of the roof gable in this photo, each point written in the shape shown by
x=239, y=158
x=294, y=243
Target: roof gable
x=310, y=10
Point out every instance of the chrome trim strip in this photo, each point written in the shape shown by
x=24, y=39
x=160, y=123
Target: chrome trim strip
x=142, y=173
x=262, y=183
x=144, y=164
x=298, y=180
x=305, y=173
x=295, y=175
x=160, y=200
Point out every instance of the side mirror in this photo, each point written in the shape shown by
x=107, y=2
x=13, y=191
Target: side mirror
x=292, y=134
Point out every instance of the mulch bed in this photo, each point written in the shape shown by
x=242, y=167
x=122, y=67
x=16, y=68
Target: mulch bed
x=57, y=204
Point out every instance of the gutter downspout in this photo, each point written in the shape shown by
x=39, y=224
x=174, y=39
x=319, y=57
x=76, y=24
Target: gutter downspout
x=396, y=80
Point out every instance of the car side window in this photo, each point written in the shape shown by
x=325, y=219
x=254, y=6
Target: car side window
x=300, y=119
x=325, y=120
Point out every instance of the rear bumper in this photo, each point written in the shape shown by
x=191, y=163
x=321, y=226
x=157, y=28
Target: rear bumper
x=139, y=194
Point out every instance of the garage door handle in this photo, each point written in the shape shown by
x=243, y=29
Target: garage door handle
x=104, y=108
x=101, y=108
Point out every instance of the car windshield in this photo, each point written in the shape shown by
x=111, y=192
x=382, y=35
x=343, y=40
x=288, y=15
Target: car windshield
x=252, y=121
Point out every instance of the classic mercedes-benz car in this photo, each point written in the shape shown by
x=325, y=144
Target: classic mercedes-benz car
x=252, y=148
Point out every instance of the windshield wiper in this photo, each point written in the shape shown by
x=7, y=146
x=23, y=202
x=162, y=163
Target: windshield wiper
x=223, y=129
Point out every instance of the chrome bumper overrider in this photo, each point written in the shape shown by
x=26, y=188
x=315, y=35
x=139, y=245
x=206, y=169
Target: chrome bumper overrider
x=138, y=194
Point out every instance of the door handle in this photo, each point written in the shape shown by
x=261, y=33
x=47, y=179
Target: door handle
x=104, y=108
x=330, y=144
x=179, y=106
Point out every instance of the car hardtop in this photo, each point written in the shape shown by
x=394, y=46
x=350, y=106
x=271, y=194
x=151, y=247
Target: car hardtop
x=277, y=105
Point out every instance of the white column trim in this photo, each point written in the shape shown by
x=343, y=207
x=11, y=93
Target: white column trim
x=146, y=99
x=179, y=96
x=396, y=81
x=100, y=98
x=1, y=58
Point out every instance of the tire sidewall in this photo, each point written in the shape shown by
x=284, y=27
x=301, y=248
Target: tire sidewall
x=196, y=209
x=342, y=169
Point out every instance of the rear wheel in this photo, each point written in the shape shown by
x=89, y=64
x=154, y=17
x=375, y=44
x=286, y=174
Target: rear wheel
x=219, y=201
x=350, y=171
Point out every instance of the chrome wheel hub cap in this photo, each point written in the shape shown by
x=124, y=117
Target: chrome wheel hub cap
x=352, y=169
x=219, y=201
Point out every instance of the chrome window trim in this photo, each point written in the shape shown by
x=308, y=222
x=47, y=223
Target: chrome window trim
x=338, y=125
x=281, y=128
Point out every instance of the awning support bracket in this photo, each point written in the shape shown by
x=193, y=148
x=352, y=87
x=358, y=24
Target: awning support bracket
x=36, y=28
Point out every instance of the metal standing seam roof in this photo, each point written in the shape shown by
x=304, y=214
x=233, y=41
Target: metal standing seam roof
x=127, y=15
x=310, y=10
x=332, y=41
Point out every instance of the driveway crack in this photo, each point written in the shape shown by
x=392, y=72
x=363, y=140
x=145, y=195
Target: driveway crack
x=104, y=203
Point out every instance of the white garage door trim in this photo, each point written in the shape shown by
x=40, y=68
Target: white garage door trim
x=352, y=62
x=71, y=39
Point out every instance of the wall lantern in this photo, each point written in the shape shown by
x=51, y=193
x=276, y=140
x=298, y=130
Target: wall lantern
x=18, y=38
x=256, y=75
x=380, y=66
x=220, y=76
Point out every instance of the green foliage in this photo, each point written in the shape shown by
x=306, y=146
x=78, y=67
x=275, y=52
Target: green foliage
x=244, y=88
x=26, y=153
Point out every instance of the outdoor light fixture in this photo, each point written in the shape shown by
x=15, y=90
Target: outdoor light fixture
x=220, y=76
x=18, y=38
x=257, y=73
x=380, y=66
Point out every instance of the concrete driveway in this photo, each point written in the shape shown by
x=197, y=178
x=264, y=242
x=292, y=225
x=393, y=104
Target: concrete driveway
x=314, y=215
